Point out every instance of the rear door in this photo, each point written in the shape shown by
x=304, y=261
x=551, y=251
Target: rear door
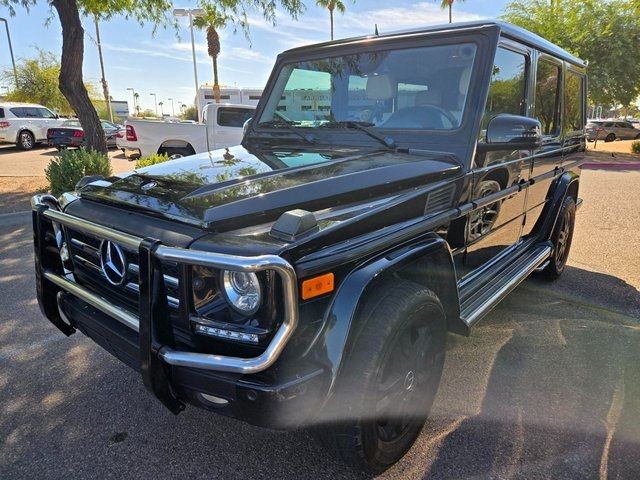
x=574, y=119
x=229, y=123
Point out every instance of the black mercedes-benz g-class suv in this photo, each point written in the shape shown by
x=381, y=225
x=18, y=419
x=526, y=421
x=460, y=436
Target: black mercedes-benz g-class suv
x=389, y=189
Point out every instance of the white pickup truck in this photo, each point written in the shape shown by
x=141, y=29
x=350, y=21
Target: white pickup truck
x=224, y=124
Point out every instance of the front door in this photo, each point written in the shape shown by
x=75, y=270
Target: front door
x=548, y=88
x=229, y=123
x=493, y=227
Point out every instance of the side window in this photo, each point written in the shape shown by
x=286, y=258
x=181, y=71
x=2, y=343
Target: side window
x=31, y=112
x=233, y=117
x=573, y=104
x=18, y=112
x=507, y=91
x=1, y=112
x=547, y=96
x=45, y=113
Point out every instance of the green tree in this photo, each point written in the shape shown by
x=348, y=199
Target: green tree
x=38, y=83
x=190, y=113
x=444, y=4
x=156, y=12
x=604, y=33
x=332, y=5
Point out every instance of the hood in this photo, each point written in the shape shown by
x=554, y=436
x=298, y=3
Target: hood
x=231, y=188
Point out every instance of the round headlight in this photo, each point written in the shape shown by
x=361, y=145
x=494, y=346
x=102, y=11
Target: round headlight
x=242, y=290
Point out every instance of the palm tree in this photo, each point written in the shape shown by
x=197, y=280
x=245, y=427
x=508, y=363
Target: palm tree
x=449, y=4
x=161, y=110
x=212, y=20
x=332, y=5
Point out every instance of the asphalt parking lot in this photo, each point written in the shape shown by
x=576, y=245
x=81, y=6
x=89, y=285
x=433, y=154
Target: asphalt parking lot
x=547, y=387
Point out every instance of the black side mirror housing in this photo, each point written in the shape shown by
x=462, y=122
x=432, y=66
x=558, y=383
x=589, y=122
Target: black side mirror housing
x=512, y=132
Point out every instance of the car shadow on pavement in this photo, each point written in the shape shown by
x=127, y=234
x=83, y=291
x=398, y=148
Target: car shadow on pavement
x=543, y=388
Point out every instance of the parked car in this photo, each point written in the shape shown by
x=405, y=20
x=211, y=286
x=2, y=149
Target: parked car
x=223, y=129
x=71, y=134
x=610, y=130
x=26, y=124
x=387, y=191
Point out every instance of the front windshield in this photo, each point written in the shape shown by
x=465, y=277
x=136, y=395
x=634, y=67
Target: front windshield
x=416, y=88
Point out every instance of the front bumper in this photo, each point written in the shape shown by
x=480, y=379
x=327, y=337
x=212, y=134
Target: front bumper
x=140, y=339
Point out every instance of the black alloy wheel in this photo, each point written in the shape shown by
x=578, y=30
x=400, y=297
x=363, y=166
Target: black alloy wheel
x=390, y=379
x=561, y=239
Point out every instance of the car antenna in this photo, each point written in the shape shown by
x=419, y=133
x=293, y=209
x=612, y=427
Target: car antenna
x=375, y=32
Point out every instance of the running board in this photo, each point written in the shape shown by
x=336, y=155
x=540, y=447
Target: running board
x=481, y=299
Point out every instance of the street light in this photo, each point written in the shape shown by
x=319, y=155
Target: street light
x=13, y=61
x=133, y=94
x=192, y=12
x=173, y=110
x=155, y=98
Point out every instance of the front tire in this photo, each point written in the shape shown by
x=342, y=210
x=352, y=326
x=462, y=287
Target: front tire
x=610, y=138
x=26, y=141
x=389, y=381
x=561, y=239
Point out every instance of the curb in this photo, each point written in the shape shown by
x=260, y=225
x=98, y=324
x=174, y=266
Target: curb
x=611, y=166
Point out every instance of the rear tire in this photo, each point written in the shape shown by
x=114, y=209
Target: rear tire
x=610, y=138
x=390, y=378
x=177, y=152
x=561, y=239
x=26, y=141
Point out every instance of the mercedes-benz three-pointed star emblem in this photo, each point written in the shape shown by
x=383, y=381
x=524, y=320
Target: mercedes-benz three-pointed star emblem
x=113, y=262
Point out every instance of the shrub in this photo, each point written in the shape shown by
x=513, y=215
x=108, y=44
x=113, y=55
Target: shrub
x=66, y=170
x=152, y=160
x=635, y=147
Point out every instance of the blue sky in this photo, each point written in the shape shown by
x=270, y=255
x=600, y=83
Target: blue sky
x=162, y=63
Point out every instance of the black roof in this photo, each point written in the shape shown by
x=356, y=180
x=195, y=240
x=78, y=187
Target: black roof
x=508, y=30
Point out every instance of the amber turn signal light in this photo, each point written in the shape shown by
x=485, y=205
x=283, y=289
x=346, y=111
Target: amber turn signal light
x=316, y=286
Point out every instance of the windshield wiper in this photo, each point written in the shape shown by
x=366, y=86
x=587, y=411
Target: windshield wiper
x=387, y=141
x=308, y=137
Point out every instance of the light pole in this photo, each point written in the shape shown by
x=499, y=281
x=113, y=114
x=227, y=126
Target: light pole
x=133, y=94
x=173, y=110
x=13, y=61
x=192, y=12
x=105, y=86
x=155, y=98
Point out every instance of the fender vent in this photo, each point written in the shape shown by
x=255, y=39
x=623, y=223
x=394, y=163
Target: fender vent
x=439, y=200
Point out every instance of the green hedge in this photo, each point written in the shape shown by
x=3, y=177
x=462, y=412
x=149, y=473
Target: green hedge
x=152, y=160
x=66, y=170
x=635, y=147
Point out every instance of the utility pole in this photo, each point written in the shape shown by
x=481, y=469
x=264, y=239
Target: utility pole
x=105, y=87
x=13, y=61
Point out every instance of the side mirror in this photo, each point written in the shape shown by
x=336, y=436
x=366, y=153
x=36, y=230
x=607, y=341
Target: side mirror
x=245, y=126
x=513, y=132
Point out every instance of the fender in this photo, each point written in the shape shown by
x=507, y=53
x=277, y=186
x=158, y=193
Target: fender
x=566, y=184
x=427, y=262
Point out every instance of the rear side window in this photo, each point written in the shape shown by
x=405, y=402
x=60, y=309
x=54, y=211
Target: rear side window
x=507, y=91
x=31, y=112
x=233, y=117
x=17, y=111
x=1, y=112
x=573, y=103
x=548, y=96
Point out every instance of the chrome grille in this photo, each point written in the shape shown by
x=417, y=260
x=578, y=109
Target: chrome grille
x=85, y=253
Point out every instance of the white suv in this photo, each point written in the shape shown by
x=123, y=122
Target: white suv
x=26, y=124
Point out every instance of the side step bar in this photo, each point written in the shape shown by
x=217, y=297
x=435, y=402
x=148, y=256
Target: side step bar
x=482, y=299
